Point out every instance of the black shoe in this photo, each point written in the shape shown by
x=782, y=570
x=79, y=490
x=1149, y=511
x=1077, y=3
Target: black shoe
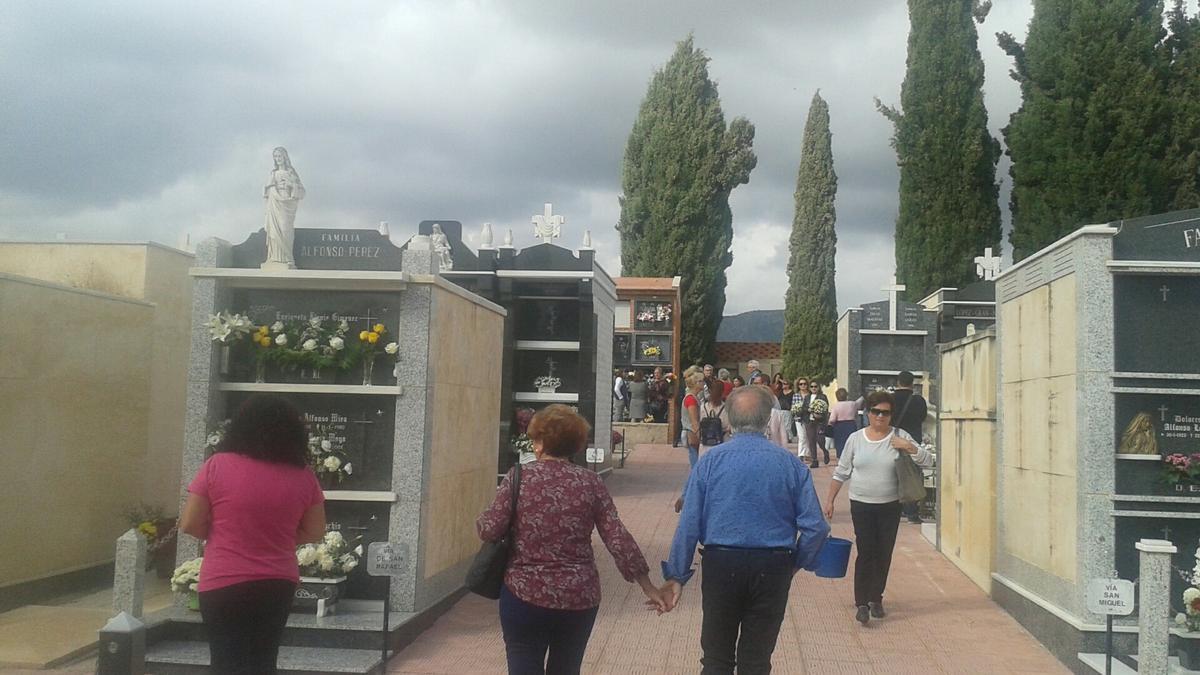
x=863, y=615
x=916, y=520
x=877, y=610
x=814, y=465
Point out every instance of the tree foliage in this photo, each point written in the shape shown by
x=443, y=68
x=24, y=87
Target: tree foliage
x=1183, y=95
x=681, y=164
x=810, y=310
x=1090, y=141
x=949, y=210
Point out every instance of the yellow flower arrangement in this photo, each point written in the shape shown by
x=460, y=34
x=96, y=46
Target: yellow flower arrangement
x=147, y=529
x=372, y=337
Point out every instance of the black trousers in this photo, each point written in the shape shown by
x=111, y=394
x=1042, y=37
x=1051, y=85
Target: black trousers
x=530, y=631
x=745, y=595
x=875, y=528
x=245, y=623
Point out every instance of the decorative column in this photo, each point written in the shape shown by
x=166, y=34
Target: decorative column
x=1154, y=607
x=129, y=575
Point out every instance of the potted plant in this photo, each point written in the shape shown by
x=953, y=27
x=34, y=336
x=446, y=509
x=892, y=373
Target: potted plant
x=323, y=570
x=186, y=579
x=160, y=534
x=1181, y=472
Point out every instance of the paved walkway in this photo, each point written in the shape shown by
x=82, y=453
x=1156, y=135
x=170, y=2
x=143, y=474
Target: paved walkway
x=939, y=622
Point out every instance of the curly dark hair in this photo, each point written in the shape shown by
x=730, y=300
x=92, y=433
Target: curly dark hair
x=269, y=428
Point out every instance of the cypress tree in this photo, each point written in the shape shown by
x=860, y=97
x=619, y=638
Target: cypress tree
x=810, y=310
x=949, y=209
x=1089, y=141
x=681, y=163
x=1183, y=94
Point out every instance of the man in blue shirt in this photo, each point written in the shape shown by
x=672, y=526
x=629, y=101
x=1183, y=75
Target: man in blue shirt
x=753, y=506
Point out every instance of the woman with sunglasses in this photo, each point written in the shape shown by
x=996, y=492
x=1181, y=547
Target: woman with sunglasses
x=869, y=459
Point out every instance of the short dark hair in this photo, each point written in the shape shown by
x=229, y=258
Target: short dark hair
x=562, y=431
x=841, y=394
x=905, y=378
x=880, y=396
x=269, y=428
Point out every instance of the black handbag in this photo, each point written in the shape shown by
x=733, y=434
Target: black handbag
x=486, y=574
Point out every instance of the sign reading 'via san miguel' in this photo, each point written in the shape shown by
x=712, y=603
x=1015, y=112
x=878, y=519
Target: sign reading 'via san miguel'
x=1166, y=236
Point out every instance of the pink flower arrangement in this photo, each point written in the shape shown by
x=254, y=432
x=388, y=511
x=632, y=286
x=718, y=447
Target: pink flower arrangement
x=1181, y=468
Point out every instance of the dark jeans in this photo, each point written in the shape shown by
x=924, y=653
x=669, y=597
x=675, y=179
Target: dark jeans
x=816, y=441
x=875, y=528
x=245, y=623
x=747, y=591
x=529, y=631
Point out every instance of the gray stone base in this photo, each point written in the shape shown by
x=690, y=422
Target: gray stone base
x=1062, y=639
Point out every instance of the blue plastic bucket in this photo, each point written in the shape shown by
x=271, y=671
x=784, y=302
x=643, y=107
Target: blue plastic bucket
x=834, y=558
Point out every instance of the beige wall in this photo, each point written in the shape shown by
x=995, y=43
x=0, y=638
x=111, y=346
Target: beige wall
x=73, y=381
x=1039, y=423
x=148, y=396
x=466, y=341
x=967, y=456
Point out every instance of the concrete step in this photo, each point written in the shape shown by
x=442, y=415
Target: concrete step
x=349, y=628
x=190, y=658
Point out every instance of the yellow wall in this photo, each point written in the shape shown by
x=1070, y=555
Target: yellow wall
x=1039, y=423
x=73, y=381
x=465, y=343
x=148, y=397
x=967, y=456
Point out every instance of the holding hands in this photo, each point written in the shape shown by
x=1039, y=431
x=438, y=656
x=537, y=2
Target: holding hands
x=657, y=599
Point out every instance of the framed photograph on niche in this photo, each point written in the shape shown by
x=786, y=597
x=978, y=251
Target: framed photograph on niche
x=653, y=315
x=652, y=349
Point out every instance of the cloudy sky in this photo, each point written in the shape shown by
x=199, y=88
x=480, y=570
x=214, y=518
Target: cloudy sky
x=155, y=120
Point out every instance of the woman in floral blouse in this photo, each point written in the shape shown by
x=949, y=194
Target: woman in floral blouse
x=551, y=590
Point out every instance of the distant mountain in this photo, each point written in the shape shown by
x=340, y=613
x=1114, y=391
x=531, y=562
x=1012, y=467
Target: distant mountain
x=760, y=325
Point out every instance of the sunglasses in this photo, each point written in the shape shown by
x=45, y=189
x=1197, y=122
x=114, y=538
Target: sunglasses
x=880, y=412
x=801, y=384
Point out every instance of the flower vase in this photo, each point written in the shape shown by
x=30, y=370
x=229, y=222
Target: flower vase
x=368, y=369
x=260, y=370
x=193, y=602
x=224, y=358
x=1188, y=650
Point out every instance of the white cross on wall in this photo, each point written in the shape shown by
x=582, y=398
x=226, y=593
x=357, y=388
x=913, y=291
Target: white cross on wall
x=987, y=266
x=892, y=290
x=1164, y=290
x=1162, y=413
x=548, y=226
x=550, y=366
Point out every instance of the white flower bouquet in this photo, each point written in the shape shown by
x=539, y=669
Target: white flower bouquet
x=327, y=456
x=228, y=328
x=186, y=578
x=332, y=557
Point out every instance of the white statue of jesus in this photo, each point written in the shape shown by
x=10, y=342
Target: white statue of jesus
x=283, y=193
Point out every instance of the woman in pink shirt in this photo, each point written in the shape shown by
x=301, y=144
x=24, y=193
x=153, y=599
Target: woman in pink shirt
x=843, y=418
x=253, y=502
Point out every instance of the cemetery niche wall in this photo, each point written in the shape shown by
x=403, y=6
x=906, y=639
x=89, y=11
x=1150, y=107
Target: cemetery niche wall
x=396, y=371
x=880, y=339
x=558, y=335
x=1099, y=409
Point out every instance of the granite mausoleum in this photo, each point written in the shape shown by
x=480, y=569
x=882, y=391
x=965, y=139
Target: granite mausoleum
x=1099, y=386
x=408, y=418
x=878, y=340
x=559, y=332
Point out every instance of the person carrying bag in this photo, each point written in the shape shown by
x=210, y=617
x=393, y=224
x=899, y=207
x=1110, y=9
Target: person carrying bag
x=486, y=574
x=910, y=477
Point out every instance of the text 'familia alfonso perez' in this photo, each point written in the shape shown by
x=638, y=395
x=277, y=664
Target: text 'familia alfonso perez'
x=339, y=245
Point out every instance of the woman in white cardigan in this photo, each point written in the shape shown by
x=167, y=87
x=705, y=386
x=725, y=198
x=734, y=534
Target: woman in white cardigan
x=869, y=462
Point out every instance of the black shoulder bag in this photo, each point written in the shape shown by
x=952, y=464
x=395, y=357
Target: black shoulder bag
x=486, y=575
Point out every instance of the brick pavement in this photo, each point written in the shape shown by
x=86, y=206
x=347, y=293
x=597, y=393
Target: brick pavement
x=938, y=622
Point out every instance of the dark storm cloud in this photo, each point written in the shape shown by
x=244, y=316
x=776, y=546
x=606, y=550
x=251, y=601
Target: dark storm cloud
x=147, y=121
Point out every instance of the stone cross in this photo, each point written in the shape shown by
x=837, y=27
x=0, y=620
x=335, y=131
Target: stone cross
x=1164, y=290
x=893, y=289
x=548, y=226
x=987, y=266
x=1162, y=413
